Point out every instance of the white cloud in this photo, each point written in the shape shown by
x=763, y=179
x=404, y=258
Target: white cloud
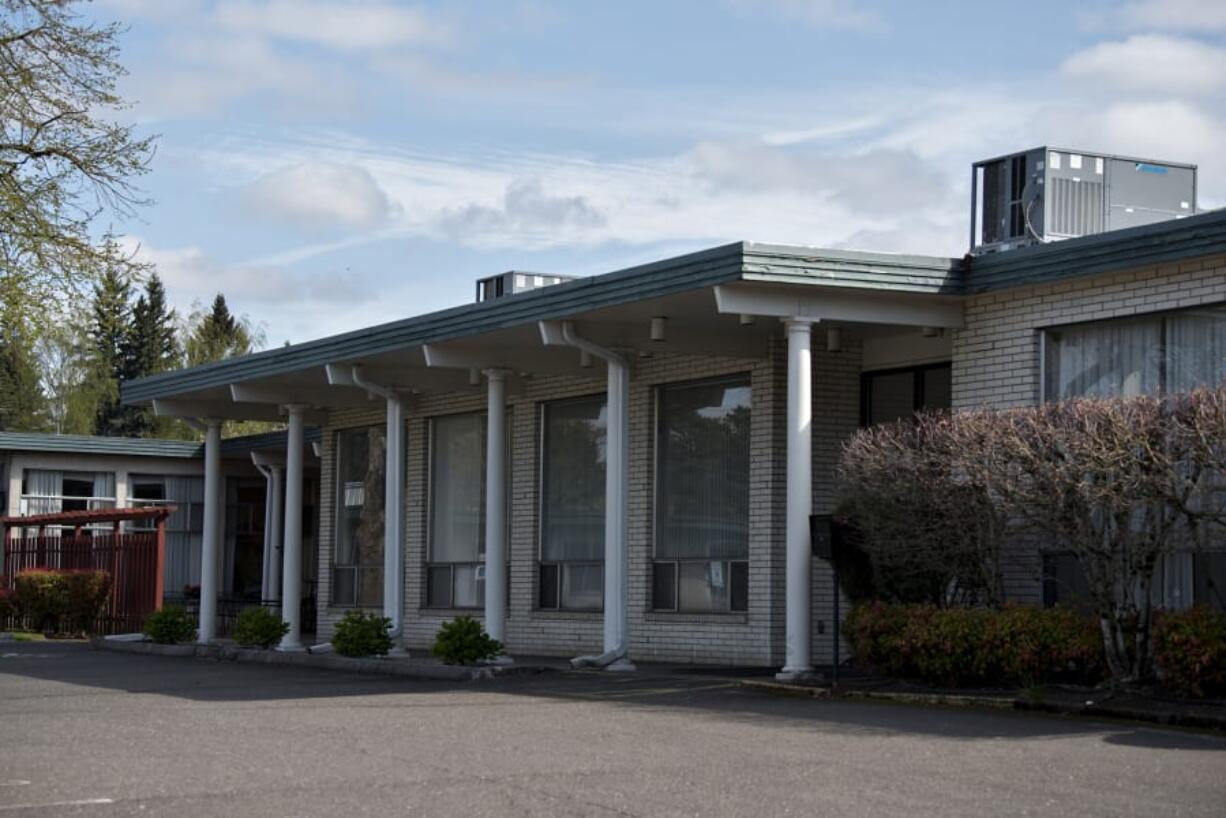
x=1182, y=15
x=526, y=216
x=834, y=14
x=320, y=194
x=347, y=25
x=1151, y=63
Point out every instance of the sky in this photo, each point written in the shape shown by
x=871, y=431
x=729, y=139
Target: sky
x=333, y=164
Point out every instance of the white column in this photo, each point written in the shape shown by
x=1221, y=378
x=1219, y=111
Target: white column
x=291, y=584
x=393, y=522
x=278, y=515
x=211, y=536
x=799, y=497
x=617, y=459
x=496, y=507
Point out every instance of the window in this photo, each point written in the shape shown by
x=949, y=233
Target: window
x=1182, y=579
x=899, y=393
x=357, y=569
x=456, y=573
x=1168, y=352
x=573, y=440
x=184, y=528
x=702, y=497
x=47, y=492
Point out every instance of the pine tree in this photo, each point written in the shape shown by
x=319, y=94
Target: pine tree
x=23, y=406
x=110, y=334
x=149, y=347
x=218, y=335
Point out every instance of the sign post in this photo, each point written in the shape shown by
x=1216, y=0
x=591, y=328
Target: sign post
x=822, y=539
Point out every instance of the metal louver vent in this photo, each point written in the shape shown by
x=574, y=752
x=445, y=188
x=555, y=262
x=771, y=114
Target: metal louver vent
x=1077, y=207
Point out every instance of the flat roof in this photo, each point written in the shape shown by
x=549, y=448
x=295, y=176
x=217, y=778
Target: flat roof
x=1195, y=236
x=233, y=447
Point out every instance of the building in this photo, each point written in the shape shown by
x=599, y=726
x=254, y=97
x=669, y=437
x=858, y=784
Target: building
x=44, y=474
x=625, y=465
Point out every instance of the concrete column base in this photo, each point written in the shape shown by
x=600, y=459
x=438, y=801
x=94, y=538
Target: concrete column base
x=801, y=675
x=622, y=665
x=293, y=647
x=501, y=661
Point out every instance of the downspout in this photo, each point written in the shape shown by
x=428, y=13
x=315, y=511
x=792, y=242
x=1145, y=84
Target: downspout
x=616, y=486
x=266, y=572
x=393, y=528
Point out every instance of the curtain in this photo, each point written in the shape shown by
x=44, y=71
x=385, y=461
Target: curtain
x=1196, y=348
x=457, y=488
x=1109, y=359
x=44, y=490
x=104, y=490
x=573, y=477
x=1177, y=575
x=702, y=507
x=184, y=532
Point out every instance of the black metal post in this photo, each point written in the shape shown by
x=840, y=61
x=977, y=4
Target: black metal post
x=834, y=673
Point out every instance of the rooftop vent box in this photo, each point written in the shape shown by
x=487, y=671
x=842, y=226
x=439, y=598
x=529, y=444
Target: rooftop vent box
x=513, y=282
x=1047, y=194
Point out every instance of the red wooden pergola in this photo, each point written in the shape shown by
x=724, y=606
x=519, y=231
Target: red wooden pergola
x=80, y=540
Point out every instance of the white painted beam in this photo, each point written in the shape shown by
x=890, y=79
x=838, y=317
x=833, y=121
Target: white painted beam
x=306, y=395
x=211, y=536
x=291, y=554
x=837, y=304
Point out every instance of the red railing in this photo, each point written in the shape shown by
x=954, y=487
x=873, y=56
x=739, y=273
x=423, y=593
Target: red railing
x=135, y=560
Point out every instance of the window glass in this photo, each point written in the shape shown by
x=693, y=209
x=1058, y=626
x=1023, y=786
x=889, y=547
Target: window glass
x=1064, y=583
x=702, y=495
x=938, y=388
x=1211, y=580
x=360, y=474
x=703, y=483
x=457, y=488
x=891, y=397
x=573, y=480
x=1196, y=348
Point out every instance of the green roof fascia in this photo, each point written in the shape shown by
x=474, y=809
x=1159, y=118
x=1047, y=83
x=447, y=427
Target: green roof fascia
x=853, y=268
x=692, y=271
x=1116, y=251
x=90, y=444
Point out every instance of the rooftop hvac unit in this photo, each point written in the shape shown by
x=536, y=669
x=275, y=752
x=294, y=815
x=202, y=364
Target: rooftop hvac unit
x=1047, y=194
x=513, y=282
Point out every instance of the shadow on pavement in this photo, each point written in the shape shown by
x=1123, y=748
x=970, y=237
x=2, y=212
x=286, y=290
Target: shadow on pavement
x=47, y=670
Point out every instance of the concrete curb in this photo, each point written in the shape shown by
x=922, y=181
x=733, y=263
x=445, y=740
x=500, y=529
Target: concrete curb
x=327, y=661
x=1200, y=721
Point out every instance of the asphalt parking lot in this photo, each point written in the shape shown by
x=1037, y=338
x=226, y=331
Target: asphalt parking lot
x=101, y=734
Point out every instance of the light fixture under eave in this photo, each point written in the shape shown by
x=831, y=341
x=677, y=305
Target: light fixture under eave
x=474, y=377
x=834, y=339
x=933, y=332
x=746, y=319
x=657, y=327
x=585, y=359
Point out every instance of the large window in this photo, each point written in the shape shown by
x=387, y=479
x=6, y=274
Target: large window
x=1181, y=580
x=702, y=497
x=896, y=394
x=47, y=492
x=456, y=573
x=1167, y=352
x=573, y=504
x=357, y=569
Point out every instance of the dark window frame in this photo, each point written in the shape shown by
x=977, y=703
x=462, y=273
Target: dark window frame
x=917, y=372
x=338, y=488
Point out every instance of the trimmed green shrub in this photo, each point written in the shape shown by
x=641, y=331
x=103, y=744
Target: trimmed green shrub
x=170, y=626
x=8, y=604
x=1018, y=645
x=362, y=634
x=41, y=598
x=463, y=641
x=259, y=628
x=1190, y=651
x=87, y=594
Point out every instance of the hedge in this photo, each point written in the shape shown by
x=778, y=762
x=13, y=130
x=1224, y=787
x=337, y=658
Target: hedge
x=58, y=601
x=1190, y=651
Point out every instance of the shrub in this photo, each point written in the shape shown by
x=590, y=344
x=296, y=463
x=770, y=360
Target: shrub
x=41, y=598
x=8, y=605
x=463, y=641
x=362, y=634
x=1190, y=651
x=87, y=593
x=170, y=626
x=259, y=628
x=1019, y=645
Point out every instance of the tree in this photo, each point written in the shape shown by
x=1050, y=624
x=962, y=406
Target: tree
x=109, y=336
x=217, y=334
x=149, y=347
x=23, y=406
x=68, y=375
x=63, y=162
